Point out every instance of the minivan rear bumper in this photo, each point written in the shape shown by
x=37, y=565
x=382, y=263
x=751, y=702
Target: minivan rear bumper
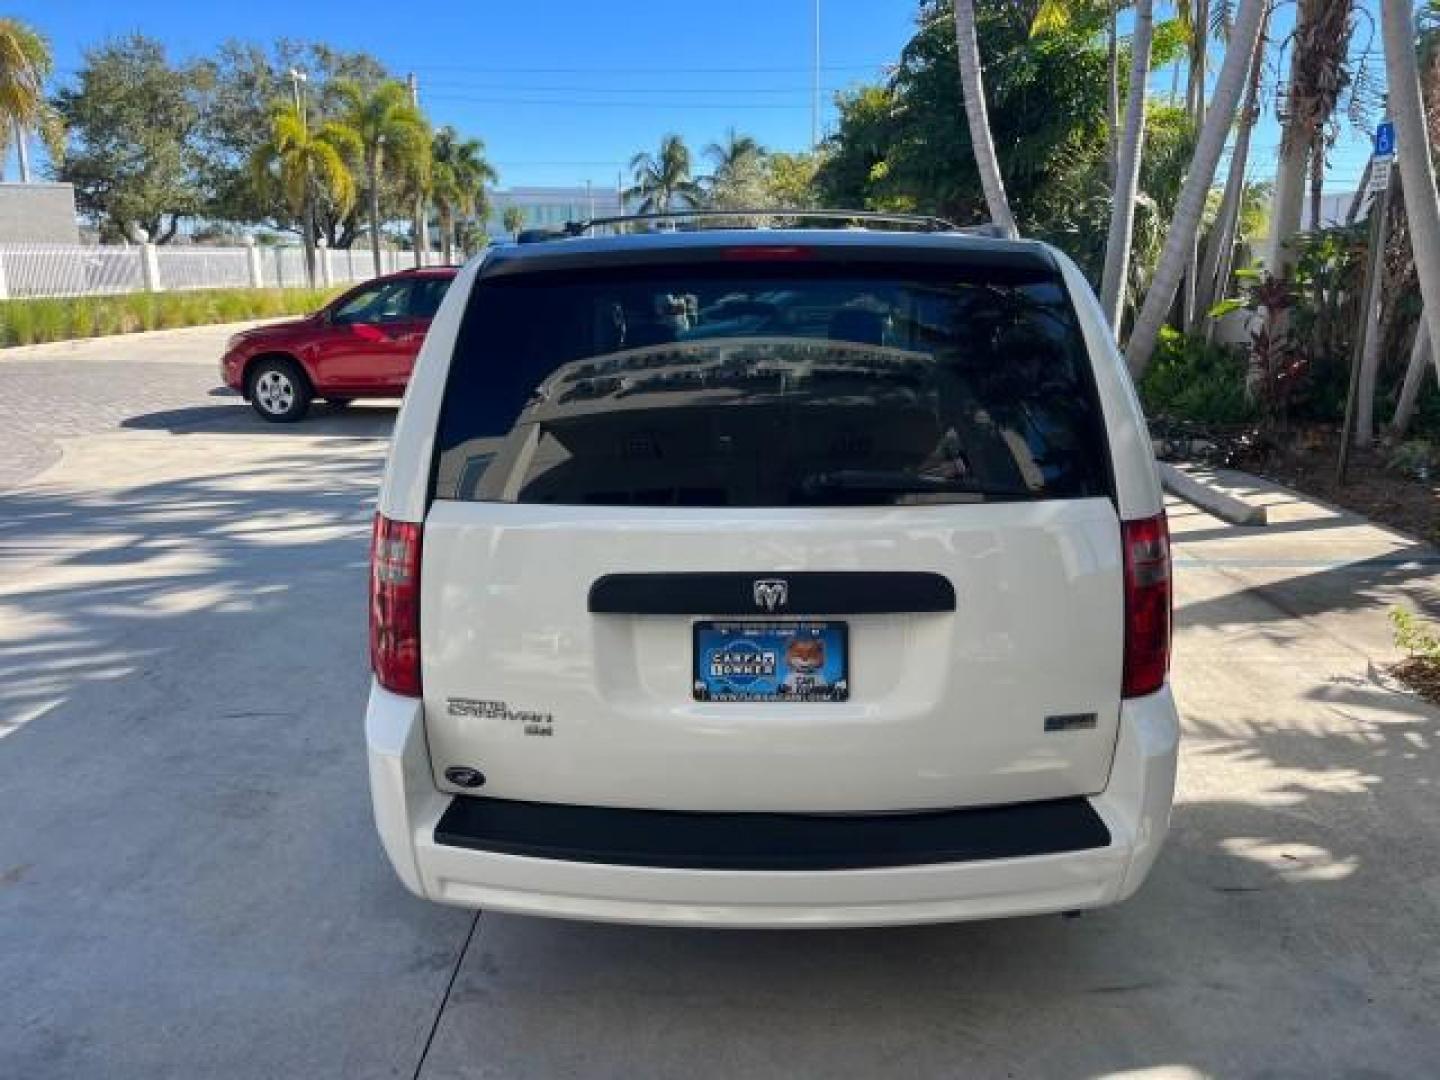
x=1134, y=808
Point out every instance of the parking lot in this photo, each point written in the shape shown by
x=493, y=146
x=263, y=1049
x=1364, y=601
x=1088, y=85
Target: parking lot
x=190, y=884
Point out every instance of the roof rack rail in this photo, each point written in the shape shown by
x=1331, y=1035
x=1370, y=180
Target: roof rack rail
x=855, y=218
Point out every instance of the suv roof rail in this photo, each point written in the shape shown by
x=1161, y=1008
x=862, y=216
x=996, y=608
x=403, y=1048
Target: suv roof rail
x=855, y=218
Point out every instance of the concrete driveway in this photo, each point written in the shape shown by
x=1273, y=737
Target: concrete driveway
x=189, y=883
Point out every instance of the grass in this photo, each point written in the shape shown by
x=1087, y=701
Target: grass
x=30, y=322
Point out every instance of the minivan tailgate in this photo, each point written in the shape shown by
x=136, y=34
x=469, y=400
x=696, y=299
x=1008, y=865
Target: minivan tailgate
x=1011, y=696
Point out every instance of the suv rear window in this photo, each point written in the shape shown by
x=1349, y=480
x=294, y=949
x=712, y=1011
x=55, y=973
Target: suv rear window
x=770, y=385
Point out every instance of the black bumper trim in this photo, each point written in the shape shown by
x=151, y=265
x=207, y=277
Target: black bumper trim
x=803, y=842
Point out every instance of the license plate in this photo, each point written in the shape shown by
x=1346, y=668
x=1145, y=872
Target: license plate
x=772, y=661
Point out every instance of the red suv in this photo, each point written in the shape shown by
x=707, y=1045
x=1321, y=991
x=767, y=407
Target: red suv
x=362, y=344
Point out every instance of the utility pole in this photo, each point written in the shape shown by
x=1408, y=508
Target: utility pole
x=422, y=232
x=815, y=86
x=298, y=79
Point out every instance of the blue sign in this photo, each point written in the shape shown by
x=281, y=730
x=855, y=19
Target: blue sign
x=1385, y=139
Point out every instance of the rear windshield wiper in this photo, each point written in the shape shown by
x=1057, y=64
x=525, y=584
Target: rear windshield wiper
x=898, y=482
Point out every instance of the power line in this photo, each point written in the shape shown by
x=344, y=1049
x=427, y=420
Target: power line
x=573, y=104
x=524, y=88
x=631, y=70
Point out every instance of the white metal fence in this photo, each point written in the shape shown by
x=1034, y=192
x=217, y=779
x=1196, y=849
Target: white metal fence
x=55, y=270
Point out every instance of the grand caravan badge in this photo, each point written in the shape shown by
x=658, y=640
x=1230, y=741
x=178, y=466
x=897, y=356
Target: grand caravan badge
x=533, y=723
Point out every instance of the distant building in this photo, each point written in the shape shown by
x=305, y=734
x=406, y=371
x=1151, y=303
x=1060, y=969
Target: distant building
x=550, y=207
x=38, y=214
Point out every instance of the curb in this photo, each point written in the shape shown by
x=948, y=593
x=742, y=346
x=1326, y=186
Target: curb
x=1210, y=499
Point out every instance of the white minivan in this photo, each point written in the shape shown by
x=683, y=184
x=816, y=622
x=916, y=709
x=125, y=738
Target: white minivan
x=797, y=577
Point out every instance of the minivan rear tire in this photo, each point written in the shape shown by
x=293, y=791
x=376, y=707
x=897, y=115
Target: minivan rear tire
x=279, y=390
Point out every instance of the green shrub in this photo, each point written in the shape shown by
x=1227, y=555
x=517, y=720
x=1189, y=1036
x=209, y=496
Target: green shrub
x=1190, y=380
x=30, y=322
x=1413, y=635
x=1415, y=458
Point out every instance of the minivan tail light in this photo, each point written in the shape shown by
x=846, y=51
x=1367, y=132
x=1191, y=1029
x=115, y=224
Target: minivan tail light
x=1147, y=605
x=395, y=605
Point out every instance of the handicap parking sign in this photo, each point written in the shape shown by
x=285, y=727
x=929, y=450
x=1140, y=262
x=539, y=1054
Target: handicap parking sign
x=1385, y=139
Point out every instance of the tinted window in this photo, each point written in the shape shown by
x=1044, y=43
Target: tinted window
x=379, y=303
x=782, y=386
x=426, y=296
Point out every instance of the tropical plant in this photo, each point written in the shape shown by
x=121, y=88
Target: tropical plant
x=663, y=179
x=394, y=140
x=514, y=220
x=236, y=90
x=1320, y=74
x=306, y=165
x=982, y=142
x=1184, y=229
x=738, y=176
x=459, y=173
x=790, y=180
x=904, y=145
x=25, y=64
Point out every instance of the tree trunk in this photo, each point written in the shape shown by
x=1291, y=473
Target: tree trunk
x=1369, y=353
x=1317, y=184
x=1219, y=255
x=372, y=176
x=1199, y=60
x=1191, y=205
x=1290, y=172
x=422, y=232
x=1417, y=170
x=1112, y=99
x=1358, y=201
x=1127, y=173
x=307, y=235
x=447, y=235
x=1420, y=352
x=972, y=85
x=23, y=152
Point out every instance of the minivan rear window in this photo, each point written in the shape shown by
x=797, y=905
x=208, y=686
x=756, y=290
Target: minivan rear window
x=770, y=385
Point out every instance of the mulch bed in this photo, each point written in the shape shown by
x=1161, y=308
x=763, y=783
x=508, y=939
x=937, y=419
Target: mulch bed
x=1420, y=675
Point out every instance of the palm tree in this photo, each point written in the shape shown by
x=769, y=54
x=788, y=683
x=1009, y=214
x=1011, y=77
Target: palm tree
x=664, y=179
x=1417, y=169
x=737, y=172
x=459, y=173
x=306, y=165
x=973, y=86
x=514, y=220
x=734, y=155
x=1220, y=253
x=1319, y=73
x=393, y=139
x=1185, y=226
x=1127, y=171
x=25, y=64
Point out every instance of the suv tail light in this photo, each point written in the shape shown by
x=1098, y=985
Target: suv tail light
x=395, y=605
x=1147, y=605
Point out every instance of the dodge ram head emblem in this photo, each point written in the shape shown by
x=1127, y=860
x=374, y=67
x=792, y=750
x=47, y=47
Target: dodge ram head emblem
x=772, y=594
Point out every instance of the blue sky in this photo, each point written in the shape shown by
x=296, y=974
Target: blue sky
x=563, y=92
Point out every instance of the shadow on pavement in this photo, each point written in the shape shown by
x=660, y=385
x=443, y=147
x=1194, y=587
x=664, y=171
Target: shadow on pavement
x=188, y=870
x=185, y=839
x=364, y=420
